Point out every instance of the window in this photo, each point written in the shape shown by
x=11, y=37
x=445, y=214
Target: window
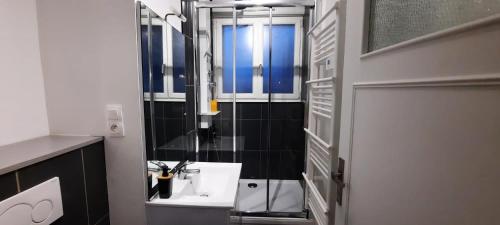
x=244, y=59
x=252, y=58
x=395, y=21
x=178, y=62
x=281, y=57
x=167, y=63
x=157, y=55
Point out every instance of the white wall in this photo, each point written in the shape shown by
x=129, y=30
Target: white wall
x=22, y=100
x=89, y=58
x=410, y=155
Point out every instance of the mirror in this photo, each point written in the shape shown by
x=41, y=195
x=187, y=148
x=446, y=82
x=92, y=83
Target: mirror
x=162, y=53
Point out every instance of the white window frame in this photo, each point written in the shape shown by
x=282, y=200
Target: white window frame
x=258, y=58
x=168, y=93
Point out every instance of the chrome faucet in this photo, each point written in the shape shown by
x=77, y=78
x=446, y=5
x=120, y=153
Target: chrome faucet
x=183, y=171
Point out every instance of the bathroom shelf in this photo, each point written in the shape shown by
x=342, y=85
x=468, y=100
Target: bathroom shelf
x=209, y=113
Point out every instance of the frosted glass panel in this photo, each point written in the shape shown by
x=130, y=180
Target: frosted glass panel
x=244, y=59
x=282, y=58
x=394, y=21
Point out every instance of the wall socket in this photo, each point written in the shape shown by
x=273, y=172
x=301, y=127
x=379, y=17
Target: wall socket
x=114, y=124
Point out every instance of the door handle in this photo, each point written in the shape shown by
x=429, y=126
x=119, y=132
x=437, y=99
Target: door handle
x=338, y=178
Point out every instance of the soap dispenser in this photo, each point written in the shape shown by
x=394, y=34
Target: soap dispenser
x=165, y=181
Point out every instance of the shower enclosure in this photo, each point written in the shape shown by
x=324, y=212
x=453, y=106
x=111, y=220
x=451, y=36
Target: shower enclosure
x=253, y=60
x=256, y=55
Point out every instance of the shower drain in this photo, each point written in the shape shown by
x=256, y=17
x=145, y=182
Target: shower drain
x=252, y=185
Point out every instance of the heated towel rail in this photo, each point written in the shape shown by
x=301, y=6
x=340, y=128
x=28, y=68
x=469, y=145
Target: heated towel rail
x=321, y=104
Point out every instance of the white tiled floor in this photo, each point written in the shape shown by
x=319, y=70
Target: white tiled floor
x=284, y=196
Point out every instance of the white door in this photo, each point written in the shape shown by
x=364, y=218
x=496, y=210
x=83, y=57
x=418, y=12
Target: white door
x=420, y=121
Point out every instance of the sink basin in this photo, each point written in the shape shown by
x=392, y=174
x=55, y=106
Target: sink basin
x=204, y=198
x=215, y=186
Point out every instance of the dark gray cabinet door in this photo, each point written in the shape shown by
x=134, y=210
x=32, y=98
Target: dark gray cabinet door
x=69, y=169
x=8, y=185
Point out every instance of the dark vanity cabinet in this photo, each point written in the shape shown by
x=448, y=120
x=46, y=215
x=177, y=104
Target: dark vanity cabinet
x=80, y=167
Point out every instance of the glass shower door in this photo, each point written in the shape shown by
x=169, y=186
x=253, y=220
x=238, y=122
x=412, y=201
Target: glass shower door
x=258, y=87
x=272, y=128
x=249, y=128
x=286, y=119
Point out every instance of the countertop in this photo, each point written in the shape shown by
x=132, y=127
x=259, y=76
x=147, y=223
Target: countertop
x=18, y=155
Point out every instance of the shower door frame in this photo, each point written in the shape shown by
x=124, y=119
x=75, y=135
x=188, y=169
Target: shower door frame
x=239, y=5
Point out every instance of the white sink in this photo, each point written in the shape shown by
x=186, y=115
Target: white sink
x=215, y=186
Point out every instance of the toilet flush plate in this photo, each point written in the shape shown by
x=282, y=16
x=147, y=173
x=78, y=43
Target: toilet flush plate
x=39, y=205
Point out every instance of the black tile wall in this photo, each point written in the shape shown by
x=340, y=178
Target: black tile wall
x=287, y=137
x=173, y=128
x=226, y=110
x=249, y=110
x=159, y=110
x=218, y=156
x=149, y=145
x=174, y=155
x=173, y=110
x=191, y=146
x=285, y=164
x=104, y=221
x=250, y=129
x=292, y=164
x=170, y=123
x=147, y=110
x=275, y=167
x=8, y=185
x=285, y=134
x=147, y=130
x=69, y=169
x=226, y=128
x=95, y=177
x=190, y=108
x=253, y=165
x=160, y=131
x=285, y=111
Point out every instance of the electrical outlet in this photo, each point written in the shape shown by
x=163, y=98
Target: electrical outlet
x=114, y=124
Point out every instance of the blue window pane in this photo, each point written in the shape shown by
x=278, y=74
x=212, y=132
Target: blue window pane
x=178, y=61
x=157, y=55
x=244, y=59
x=283, y=40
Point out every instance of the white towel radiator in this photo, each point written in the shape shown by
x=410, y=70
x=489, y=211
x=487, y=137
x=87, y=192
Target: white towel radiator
x=321, y=88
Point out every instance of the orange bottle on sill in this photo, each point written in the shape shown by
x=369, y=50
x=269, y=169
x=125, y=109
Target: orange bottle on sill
x=213, y=105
